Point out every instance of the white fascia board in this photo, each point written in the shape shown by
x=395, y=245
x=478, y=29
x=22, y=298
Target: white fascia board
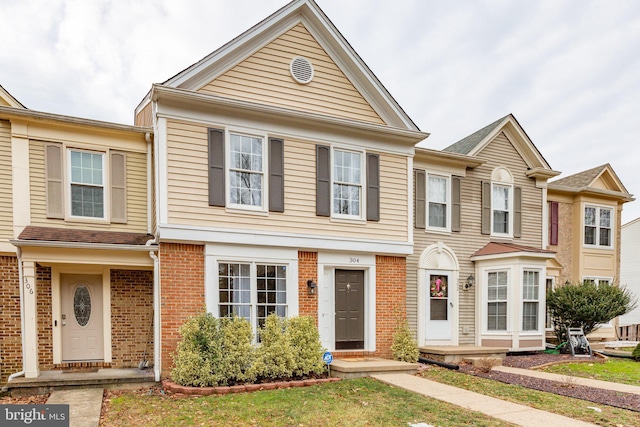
x=182, y=233
x=82, y=245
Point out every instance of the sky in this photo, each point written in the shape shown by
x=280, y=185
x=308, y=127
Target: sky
x=569, y=70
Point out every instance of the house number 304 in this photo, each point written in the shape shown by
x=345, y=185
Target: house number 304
x=354, y=260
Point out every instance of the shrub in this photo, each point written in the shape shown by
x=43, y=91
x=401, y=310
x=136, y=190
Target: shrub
x=404, y=347
x=586, y=305
x=635, y=354
x=307, y=350
x=274, y=356
x=213, y=351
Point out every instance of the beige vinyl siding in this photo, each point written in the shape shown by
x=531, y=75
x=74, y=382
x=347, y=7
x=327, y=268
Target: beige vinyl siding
x=6, y=194
x=136, y=194
x=497, y=153
x=144, y=117
x=264, y=77
x=188, y=193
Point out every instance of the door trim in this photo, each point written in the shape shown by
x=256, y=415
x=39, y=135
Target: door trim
x=56, y=306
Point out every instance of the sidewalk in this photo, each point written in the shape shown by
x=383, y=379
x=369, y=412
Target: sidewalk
x=605, y=385
x=85, y=405
x=506, y=411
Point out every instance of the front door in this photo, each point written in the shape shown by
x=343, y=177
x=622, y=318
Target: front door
x=349, y=309
x=440, y=301
x=82, y=324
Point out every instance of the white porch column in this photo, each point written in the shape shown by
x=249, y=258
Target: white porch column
x=31, y=365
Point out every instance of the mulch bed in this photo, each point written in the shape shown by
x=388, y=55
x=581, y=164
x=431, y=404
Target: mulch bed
x=566, y=388
x=38, y=399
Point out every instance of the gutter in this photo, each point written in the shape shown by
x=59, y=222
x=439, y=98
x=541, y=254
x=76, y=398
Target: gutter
x=78, y=245
x=21, y=280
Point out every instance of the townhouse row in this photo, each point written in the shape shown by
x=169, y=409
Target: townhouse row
x=278, y=175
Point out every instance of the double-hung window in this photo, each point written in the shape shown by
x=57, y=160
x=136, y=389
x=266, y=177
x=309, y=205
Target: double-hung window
x=246, y=171
x=252, y=290
x=87, y=180
x=501, y=206
x=347, y=183
x=497, y=285
x=438, y=202
x=597, y=226
x=530, y=300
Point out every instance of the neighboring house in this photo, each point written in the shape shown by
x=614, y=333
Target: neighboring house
x=76, y=276
x=585, y=214
x=282, y=168
x=630, y=267
x=476, y=276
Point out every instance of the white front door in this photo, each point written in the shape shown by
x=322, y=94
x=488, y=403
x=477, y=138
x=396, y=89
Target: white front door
x=442, y=295
x=81, y=317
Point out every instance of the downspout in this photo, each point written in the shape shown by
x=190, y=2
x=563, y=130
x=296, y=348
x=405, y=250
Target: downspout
x=156, y=313
x=21, y=280
x=147, y=137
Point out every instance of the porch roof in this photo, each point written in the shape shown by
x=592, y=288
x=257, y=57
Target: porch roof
x=35, y=234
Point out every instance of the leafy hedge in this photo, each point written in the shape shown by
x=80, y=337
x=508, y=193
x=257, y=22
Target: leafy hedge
x=220, y=351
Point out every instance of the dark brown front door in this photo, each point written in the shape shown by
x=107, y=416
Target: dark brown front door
x=349, y=309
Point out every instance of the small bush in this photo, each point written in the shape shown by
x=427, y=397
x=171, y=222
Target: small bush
x=274, y=356
x=635, y=354
x=404, y=347
x=586, y=305
x=486, y=364
x=307, y=350
x=213, y=352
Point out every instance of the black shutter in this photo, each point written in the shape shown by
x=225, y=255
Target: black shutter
x=323, y=180
x=373, y=187
x=216, y=168
x=486, y=207
x=276, y=175
x=455, y=203
x=420, y=206
x=517, y=212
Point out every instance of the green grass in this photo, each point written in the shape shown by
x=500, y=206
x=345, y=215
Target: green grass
x=573, y=408
x=625, y=371
x=358, y=402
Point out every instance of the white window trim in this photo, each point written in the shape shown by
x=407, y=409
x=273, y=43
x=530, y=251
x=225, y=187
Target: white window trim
x=447, y=228
x=612, y=227
x=106, y=202
x=485, y=320
x=363, y=185
x=553, y=286
x=541, y=290
x=216, y=254
x=227, y=169
x=494, y=233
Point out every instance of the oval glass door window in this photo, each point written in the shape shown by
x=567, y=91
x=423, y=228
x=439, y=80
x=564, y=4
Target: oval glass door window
x=82, y=305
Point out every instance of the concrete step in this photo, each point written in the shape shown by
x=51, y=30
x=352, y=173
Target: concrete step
x=358, y=368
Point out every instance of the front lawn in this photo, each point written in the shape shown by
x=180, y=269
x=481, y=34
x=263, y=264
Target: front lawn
x=625, y=371
x=562, y=405
x=358, y=402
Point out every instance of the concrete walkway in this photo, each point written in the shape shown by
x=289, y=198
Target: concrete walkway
x=85, y=405
x=605, y=385
x=506, y=411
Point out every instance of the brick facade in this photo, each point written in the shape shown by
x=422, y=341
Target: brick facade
x=131, y=317
x=391, y=284
x=182, y=290
x=307, y=269
x=10, y=326
x=564, y=248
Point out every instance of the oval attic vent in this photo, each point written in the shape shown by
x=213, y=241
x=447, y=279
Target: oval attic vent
x=301, y=69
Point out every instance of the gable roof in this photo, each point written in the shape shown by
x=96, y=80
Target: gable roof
x=587, y=180
x=327, y=35
x=474, y=143
x=9, y=99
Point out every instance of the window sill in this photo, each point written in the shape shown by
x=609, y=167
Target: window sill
x=351, y=221
x=604, y=248
x=501, y=236
x=443, y=231
x=86, y=220
x=240, y=211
